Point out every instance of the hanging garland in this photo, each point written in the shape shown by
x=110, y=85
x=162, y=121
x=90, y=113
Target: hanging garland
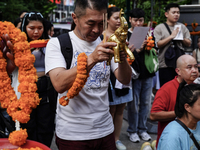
x=150, y=43
x=80, y=80
x=20, y=109
x=194, y=26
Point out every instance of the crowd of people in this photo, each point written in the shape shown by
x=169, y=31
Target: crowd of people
x=93, y=118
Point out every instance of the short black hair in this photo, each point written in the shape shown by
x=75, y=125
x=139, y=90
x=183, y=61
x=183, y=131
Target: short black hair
x=137, y=13
x=186, y=94
x=21, y=12
x=112, y=10
x=48, y=24
x=82, y=5
x=171, y=5
x=16, y=21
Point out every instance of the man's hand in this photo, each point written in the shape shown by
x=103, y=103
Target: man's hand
x=102, y=52
x=142, y=46
x=174, y=33
x=7, y=49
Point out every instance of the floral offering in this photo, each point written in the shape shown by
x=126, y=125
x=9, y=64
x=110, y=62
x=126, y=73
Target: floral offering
x=18, y=109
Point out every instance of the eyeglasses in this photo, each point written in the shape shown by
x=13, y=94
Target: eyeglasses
x=32, y=13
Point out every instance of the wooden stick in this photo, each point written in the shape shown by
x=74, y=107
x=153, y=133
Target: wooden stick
x=104, y=26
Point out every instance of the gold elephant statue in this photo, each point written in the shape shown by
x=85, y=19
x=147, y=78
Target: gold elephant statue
x=120, y=37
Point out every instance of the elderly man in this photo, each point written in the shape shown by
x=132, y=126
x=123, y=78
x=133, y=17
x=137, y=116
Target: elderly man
x=163, y=106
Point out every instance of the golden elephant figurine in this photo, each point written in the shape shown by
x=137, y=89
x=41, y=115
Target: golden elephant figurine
x=120, y=37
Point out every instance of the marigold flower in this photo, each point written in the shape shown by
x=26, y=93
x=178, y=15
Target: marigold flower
x=79, y=82
x=18, y=109
x=18, y=137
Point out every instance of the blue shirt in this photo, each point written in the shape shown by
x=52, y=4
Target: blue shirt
x=175, y=137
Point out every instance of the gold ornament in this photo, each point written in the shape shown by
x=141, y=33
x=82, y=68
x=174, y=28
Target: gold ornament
x=120, y=37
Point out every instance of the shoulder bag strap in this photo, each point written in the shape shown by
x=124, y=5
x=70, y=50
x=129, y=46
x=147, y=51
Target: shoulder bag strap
x=190, y=133
x=166, y=25
x=66, y=48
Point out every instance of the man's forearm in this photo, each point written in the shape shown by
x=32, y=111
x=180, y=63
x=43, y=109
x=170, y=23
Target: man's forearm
x=164, y=42
x=124, y=73
x=186, y=42
x=162, y=116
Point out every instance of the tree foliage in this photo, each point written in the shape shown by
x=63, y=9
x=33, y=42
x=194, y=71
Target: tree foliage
x=10, y=9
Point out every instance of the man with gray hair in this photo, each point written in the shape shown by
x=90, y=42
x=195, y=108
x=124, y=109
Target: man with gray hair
x=85, y=123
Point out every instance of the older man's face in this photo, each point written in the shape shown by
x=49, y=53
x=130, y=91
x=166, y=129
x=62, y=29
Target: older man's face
x=189, y=70
x=89, y=26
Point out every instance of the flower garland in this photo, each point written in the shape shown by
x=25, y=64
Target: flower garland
x=38, y=43
x=194, y=25
x=150, y=43
x=37, y=148
x=80, y=80
x=130, y=61
x=20, y=109
x=111, y=5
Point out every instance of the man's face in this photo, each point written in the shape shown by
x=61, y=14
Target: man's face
x=136, y=22
x=188, y=70
x=89, y=26
x=173, y=14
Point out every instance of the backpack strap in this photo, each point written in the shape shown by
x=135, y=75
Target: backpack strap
x=66, y=48
x=189, y=132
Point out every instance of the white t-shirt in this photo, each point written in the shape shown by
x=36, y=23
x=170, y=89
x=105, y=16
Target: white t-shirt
x=87, y=114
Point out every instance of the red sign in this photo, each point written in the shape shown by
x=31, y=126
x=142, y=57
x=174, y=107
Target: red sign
x=56, y=1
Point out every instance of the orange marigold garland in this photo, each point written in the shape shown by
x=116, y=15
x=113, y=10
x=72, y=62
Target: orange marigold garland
x=194, y=25
x=37, y=148
x=20, y=109
x=18, y=137
x=80, y=80
x=150, y=43
x=38, y=43
x=130, y=61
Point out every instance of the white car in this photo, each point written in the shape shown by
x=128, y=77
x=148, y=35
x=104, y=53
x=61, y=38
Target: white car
x=61, y=28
